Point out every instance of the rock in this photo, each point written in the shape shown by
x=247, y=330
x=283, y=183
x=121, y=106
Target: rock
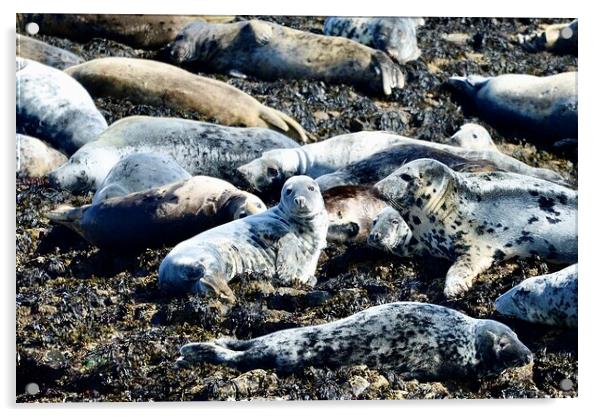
x=321, y=115
x=358, y=385
x=459, y=39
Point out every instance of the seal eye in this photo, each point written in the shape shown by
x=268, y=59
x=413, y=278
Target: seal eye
x=272, y=172
x=474, y=135
x=311, y=188
x=395, y=221
x=340, y=214
x=288, y=191
x=374, y=222
x=406, y=177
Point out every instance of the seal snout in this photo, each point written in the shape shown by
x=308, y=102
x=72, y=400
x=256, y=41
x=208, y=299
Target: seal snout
x=300, y=202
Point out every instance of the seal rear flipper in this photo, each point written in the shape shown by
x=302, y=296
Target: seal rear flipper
x=462, y=273
x=68, y=216
x=207, y=352
x=284, y=123
x=390, y=73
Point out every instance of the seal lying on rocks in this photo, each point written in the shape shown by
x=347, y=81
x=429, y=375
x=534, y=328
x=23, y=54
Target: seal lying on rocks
x=390, y=233
x=200, y=148
x=423, y=341
x=394, y=35
x=139, y=172
x=46, y=54
x=161, y=216
x=270, y=51
x=546, y=299
x=561, y=38
x=283, y=243
x=542, y=108
x=475, y=219
x=35, y=159
x=55, y=108
x=144, y=81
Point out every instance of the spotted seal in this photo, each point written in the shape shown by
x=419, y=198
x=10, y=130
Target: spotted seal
x=417, y=340
x=55, y=108
x=394, y=35
x=475, y=219
x=548, y=299
x=283, y=243
x=541, y=108
x=200, y=148
x=147, y=31
x=35, y=158
x=270, y=51
x=560, y=38
x=139, y=172
x=160, y=216
x=390, y=233
x=350, y=213
x=46, y=54
x=143, y=81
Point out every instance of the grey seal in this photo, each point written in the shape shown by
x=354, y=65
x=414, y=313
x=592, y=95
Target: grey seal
x=270, y=51
x=283, y=243
x=200, y=148
x=35, y=158
x=54, y=107
x=394, y=35
x=475, y=219
x=547, y=299
x=46, y=54
x=417, y=340
x=390, y=233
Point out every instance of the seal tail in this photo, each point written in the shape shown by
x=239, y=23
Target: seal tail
x=68, y=216
x=283, y=122
x=391, y=75
x=207, y=352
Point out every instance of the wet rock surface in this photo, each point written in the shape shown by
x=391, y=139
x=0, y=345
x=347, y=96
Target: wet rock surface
x=92, y=325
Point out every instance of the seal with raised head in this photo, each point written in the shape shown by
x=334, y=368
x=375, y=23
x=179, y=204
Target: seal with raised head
x=417, y=340
x=143, y=81
x=472, y=136
x=148, y=31
x=46, y=54
x=283, y=243
x=475, y=219
x=161, y=216
x=390, y=233
x=394, y=35
x=55, y=108
x=200, y=148
x=560, y=38
x=140, y=172
x=541, y=108
x=35, y=159
x=547, y=299
x=270, y=51
x=350, y=213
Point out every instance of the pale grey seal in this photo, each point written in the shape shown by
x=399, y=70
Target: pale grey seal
x=35, y=158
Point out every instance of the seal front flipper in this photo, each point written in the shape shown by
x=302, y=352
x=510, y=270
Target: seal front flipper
x=462, y=273
x=390, y=74
x=218, y=283
x=290, y=256
x=276, y=119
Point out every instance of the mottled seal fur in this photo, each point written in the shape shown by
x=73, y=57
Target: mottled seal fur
x=200, y=148
x=55, y=108
x=46, y=54
x=390, y=233
x=270, y=51
x=560, y=38
x=350, y=213
x=148, y=31
x=541, y=108
x=144, y=81
x=475, y=219
x=158, y=217
x=283, y=243
x=35, y=158
x=548, y=299
x=139, y=172
x=394, y=35
x=417, y=340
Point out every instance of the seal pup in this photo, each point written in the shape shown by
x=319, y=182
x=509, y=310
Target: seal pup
x=55, y=108
x=147, y=31
x=283, y=243
x=160, y=216
x=547, y=299
x=560, y=38
x=46, y=54
x=417, y=340
x=390, y=233
x=139, y=172
x=144, y=81
x=475, y=219
x=200, y=148
x=542, y=108
x=394, y=35
x=35, y=159
x=270, y=51
x=350, y=213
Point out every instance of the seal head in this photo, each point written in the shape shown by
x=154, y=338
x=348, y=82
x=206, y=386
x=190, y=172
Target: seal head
x=389, y=231
x=473, y=136
x=271, y=170
x=498, y=348
x=300, y=198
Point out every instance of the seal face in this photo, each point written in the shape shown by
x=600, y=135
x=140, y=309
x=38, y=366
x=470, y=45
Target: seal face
x=46, y=54
x=542, y=108
x=283, y=243
x=161, y=216
x=199, y=148
x=472, y=136
x=139, y=172
x=476, y=219
x=270, y=51
x=394, y=35
x=36, y=159
x=392, y=234
x=547, y=299
x=423, y=341
x=55, y=108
